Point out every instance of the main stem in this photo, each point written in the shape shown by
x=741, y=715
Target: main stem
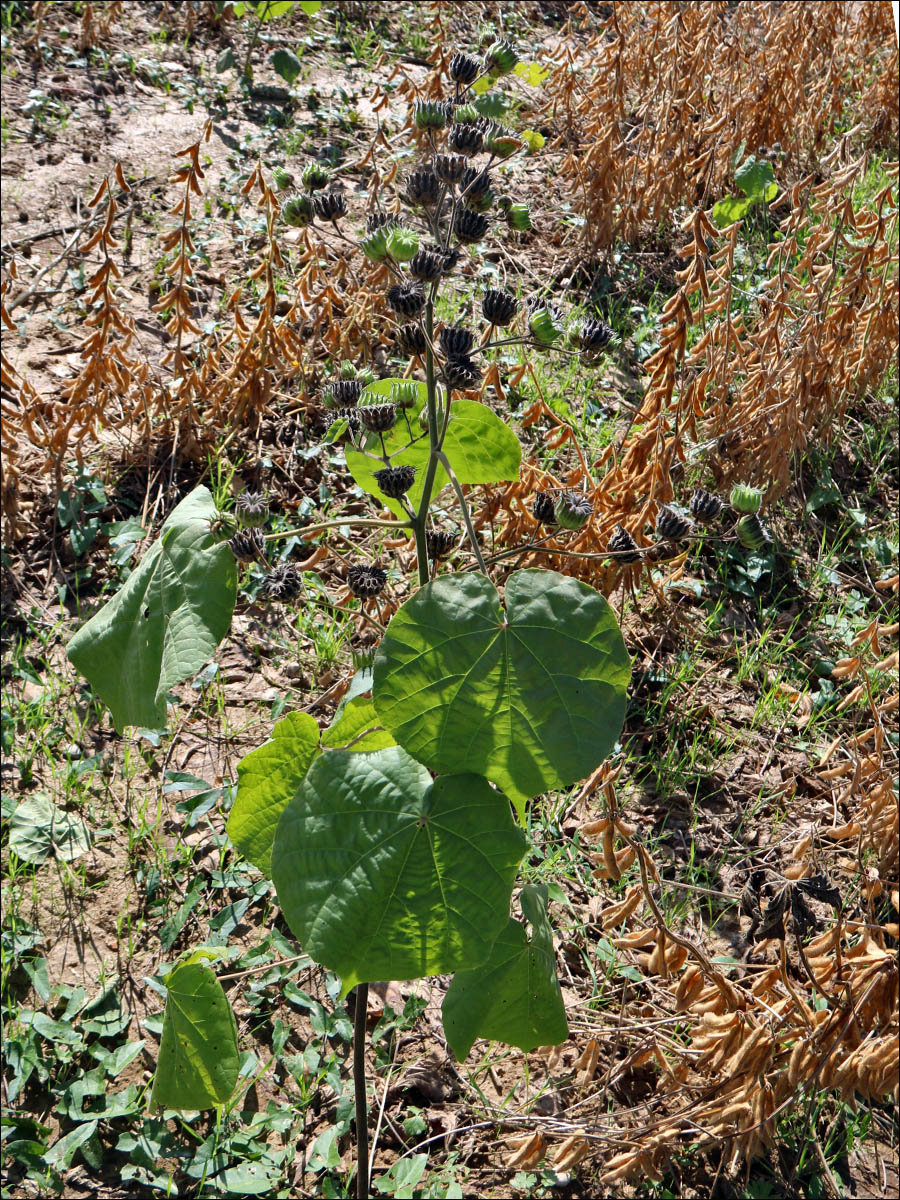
x=421, y=520
x=361, y=997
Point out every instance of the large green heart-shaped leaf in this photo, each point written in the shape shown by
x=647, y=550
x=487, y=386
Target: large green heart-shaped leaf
x=39, y=830
x=165, y=622
x=514, y=996
x=383, y=873
x=479, y=446
x=533, y=698
x=198, y=1054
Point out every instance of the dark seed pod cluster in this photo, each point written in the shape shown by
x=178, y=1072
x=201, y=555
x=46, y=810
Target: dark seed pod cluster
x=449, y=168
x=671, y=525
x=251, y=509
x=623, y=546
x=456, y=342
x=411, y=339
x=593, y=336
x=282, y=583
x=465, y=139
x=395, y=481
x=406, y=298
x=351, y=416
x=572, y=510
x=542, y=509
x=439, y=543
x=423, y=189
x=366, y=582
x=461, y=373
x=343, y=392
x=450, y=257
x=381, y=220
x=331, y=206
x=464, y=69
x=248, y=545
x=499, y=307
x=475, y=185
x=426, y=266
x=469, y=226
x=378, y=418
x=705, y=507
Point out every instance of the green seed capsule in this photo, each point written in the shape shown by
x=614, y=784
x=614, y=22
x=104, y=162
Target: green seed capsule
x=746, y=499
x=315, y=176
x=518, y=217
x=752, y=533
x=402, y=244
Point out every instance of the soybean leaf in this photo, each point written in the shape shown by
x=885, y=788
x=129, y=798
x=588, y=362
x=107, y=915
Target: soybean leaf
x=731, y=209
x=756, y=179
x=225, y=60
x=286, y=65
x=310, y=7
x=198, y=1055
x=492, y=104
x=383, y=873
x=514, y=996
x=267, y=779
x=533, y=698
x=481, y=449
x=165, y=622
x=38, y=830
x=532, y=72
x=533, y=140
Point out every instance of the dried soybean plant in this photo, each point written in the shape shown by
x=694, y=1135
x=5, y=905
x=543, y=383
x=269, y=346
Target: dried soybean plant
x=659, y=102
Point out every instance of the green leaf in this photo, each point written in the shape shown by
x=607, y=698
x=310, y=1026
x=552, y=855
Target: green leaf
x=38, y=830
x=481, y=449
x=355, y=719
x=271, y=10
x=310, y=7
x=533, y=140
x=165, y=623
x=62, y=1152
x=480, y=86
x=513, y=997
x=491, y=104
x=286, y=65
x=755, y=177
x=383, y=873
x=225, y=60
x=532, y=72
x=198, y=1055
x=267, y=779
x=731, y=209
x=533, y=698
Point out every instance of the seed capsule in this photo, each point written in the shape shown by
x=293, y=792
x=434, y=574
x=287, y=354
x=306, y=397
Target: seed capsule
x=429, y=114
x=378, y=418
x=406, y=298
x=469, y=226
x=746, y=499
x=402, y=244
x=449, y=168
x=464, y=69
x=298, y=211
x=423, y=189
x=456, y=342
x=752, y=533
x=461, y=373
x=542, y=509
x=623, y=546
x=450, y=257
x=395, y=481
x=375, y=244
x=439, y=543
x=572, y=510
x=251, y=509
x=411, y=339
x=671, y=525
x=315, y=176
x=282, y=583
x=500, y=141
x=248, y=545
x=592, y=336
x=405, y=394
x=501, y=58
x=381, y=220
x=366, y=582
x=426, y=266
x=544, y=325
x=465, y=139
x=704, y=506
x=474, y=185
x=331, y=206
x=499, y=307
x=342, y=392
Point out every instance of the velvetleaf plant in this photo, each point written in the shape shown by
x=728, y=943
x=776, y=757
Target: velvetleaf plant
x=393, y=837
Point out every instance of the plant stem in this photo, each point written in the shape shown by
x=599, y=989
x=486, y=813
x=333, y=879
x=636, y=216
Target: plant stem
x=361, y=997
x=434, y=442
x=445, y=463
x=366, y=522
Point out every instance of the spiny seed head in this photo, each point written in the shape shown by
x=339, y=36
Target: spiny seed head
x=500, y=141
x=752, y=533
x=395, y=481
x=248, y=545
x=405, y=393
x=411, y=339
x=461, y=373
x=518, y=217
x=350, y=415
x=572, y=510
x=500, y=58
x=499, y=307
x=544, y=325
x=704, y=506
x=623, y=546
x=464, y=69
x=331, y=206
x=282, y=179
x=381, y=220
x=429, y=114
x=671, y=525
x=469, y=226
x=251, y=509
x=423, y=189
x=542, y=509
x=348, y=369
x=450, y=257
x=342, y=393
x=449, y=168
x=426, y=266
x=474, y=184
x=402, y=244
x=365, y=375
x=467, y=114
x=439, y=543
x=298, y=211
x=282, y=583
x=375, y=244
x=406, y=298
x=592, y=336
x=456, y=342
x=466, y=139
x=315, y=176
x=746, y=499
x=378, y=418
x=366, y=582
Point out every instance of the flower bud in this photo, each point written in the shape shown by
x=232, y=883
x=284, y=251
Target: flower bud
x=251, y=510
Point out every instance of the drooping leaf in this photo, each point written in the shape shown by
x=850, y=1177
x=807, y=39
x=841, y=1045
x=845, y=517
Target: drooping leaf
x=480, y=447
x=38, y=830
x=532, y=72
x=514, y=996
x=267, y=779
x=756, y=179
x=165, y=622
x=731, y=209
x=198, y=1054
x=533, y=697
x=533, y=140
x=382, y=873
x=286, y=64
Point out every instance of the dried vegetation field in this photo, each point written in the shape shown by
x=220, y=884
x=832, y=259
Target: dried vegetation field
x=725, y=887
